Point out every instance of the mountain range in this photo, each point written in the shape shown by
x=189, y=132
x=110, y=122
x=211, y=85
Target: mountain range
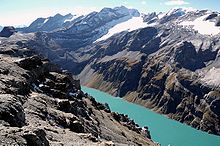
x=167, y=62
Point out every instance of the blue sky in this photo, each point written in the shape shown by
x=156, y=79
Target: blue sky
x=18, y=12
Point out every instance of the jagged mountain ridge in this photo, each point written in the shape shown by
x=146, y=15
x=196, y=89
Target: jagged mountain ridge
x=47, y=24
x=67, y=22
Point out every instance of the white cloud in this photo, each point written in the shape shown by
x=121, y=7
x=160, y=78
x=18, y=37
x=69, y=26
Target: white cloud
x=176, y=2
x=143, y=2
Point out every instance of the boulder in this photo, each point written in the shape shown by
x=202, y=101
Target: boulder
x=30, y=62
x=36, y=138
x=76, y=126
x=211, y=16
x=11, y=111
x=64, y=105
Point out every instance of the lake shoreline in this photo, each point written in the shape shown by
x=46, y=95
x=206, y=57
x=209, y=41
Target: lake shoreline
x=181, y=132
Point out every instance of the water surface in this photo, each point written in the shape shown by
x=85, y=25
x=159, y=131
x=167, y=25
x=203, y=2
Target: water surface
x=163, y=130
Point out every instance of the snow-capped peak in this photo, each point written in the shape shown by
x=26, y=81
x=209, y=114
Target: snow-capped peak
x=176, y=11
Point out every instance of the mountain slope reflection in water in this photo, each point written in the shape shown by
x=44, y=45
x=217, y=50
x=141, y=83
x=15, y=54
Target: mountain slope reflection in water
x=163, y=130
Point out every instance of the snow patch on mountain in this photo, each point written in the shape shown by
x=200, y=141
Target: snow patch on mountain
x=211, y=77
x=45, y=21
x=202, y=26
x=71, y=19
x=161, y=15
x=130, y=25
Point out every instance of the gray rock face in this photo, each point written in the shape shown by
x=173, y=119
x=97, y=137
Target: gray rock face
x=42, y=105
x=7, y=31
x=187, y=57
x=218, y=22
x=150, y=18
x=211, y=16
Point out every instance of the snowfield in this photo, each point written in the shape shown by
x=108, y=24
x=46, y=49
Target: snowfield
x=202, y=26
x=130, y=25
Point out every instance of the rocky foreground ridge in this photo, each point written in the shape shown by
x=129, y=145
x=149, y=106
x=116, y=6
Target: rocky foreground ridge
x=42, y=105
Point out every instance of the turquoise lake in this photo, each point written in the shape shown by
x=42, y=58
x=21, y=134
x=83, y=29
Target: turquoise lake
x=163, y=130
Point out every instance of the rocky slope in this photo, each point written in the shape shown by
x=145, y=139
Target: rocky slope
x=42, y=105
x=169, y=66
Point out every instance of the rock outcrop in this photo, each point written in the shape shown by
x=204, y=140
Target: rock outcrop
x=217, y=22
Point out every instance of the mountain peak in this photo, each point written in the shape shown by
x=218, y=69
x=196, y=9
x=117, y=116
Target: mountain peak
x=58, y=15
x=180, y=11
x=122, y=10
x=7, y=31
